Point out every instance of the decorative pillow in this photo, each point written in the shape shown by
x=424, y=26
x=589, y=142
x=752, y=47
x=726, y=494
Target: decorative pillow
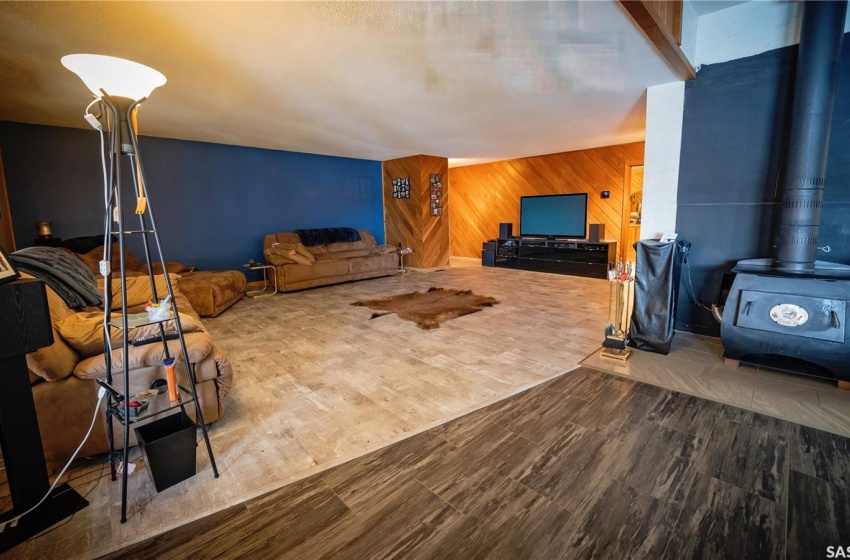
x=92, y=260
x=302, y=250
x=286, y=248
x=84, y=331
x=278, y=256
x=299, y=258
x=54, y=362
x=138, y=289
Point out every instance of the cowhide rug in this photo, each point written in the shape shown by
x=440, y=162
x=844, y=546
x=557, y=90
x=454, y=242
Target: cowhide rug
x=429, y=309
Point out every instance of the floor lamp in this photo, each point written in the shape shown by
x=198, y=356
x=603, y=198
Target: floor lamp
x=119, y=87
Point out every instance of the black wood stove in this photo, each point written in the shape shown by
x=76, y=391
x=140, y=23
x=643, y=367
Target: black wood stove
x=791, y=311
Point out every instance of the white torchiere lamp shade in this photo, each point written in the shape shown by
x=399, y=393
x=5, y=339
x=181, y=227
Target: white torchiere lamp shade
x=116, y=76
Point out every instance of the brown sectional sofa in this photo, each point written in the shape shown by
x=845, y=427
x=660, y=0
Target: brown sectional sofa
x=299, y=266
x=210, y=292
x=62, y=375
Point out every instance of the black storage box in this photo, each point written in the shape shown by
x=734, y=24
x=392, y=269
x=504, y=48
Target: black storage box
x=169, y=449
x=488, y=258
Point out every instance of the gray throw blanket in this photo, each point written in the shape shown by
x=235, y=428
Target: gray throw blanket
x=66, y=274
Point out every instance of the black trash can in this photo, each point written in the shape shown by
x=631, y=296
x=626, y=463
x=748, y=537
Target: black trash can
x=169, y=448
x=657, y=273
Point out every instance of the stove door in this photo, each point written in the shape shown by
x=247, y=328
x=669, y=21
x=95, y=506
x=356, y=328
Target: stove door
x=810, y=317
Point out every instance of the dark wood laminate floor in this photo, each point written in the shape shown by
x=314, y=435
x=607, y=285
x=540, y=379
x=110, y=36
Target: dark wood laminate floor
x=585, y=466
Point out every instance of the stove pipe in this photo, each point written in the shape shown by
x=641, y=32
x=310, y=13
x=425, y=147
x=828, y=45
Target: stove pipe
x=815, y=83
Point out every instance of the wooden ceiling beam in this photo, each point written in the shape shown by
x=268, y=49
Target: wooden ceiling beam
x=660, y=36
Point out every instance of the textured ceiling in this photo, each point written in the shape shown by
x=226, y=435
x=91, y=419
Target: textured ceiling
x=373, y=80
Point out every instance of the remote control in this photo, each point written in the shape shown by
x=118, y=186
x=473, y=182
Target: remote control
x=155, y=338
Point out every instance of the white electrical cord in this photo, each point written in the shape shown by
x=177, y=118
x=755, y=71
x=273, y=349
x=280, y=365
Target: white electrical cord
x=14, y=521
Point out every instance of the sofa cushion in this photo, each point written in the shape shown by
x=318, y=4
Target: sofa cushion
x=212, y=291
x=54, y=362
x=139, y=289
x=372, y=263
x=172, y=267
x=198, y=344
x=321, y=269
x=349, y=254
x=92, y=260
x=84, y=331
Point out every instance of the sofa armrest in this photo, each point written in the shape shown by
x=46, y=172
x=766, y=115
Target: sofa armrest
x=386, y=249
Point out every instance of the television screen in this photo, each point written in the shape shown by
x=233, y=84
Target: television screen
x=559, y=215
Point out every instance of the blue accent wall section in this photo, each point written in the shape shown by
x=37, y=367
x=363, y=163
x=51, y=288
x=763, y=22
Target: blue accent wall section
x=214, y=203
x=734, y=145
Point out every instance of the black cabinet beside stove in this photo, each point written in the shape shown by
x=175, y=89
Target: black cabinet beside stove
x=560, y=256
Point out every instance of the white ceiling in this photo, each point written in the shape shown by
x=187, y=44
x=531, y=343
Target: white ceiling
x=471, y=81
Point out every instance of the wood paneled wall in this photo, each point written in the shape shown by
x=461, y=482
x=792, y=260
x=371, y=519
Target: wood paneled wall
x=409, y=220
x=668, y=12
x=485, y=195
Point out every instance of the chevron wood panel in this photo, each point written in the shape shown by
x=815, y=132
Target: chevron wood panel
x=487, y=194
x=409, y=220
x=435, y=229
x=401, y=216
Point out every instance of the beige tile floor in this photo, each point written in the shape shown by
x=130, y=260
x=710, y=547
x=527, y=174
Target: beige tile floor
x=318, y=383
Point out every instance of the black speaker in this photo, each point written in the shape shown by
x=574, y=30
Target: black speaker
x=596, y=233
x=488, y=258
x=488, y=246
x=505, y=230
x=24, y=317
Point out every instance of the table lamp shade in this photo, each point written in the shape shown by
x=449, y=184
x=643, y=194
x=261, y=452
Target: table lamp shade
x=115, y=76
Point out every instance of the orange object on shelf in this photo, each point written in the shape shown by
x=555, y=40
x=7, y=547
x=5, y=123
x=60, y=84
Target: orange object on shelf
x=171, y=380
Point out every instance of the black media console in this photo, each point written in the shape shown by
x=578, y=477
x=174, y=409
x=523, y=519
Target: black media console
x=577, y=257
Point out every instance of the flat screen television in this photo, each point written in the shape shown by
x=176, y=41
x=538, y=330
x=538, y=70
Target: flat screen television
x=557, y=215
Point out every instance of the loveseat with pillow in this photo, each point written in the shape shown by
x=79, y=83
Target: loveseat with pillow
x=63, y=374
x=209, y=291
x=317, y=257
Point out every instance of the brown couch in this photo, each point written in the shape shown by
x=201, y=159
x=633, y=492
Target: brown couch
x=63, y=374
x=209, y=291
x=299, y=266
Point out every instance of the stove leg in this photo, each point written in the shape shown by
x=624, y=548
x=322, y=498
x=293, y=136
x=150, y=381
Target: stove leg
x=844, y=385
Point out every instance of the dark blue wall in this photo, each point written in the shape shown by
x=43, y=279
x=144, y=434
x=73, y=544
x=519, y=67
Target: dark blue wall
x=734, y=145
x=214, y=203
